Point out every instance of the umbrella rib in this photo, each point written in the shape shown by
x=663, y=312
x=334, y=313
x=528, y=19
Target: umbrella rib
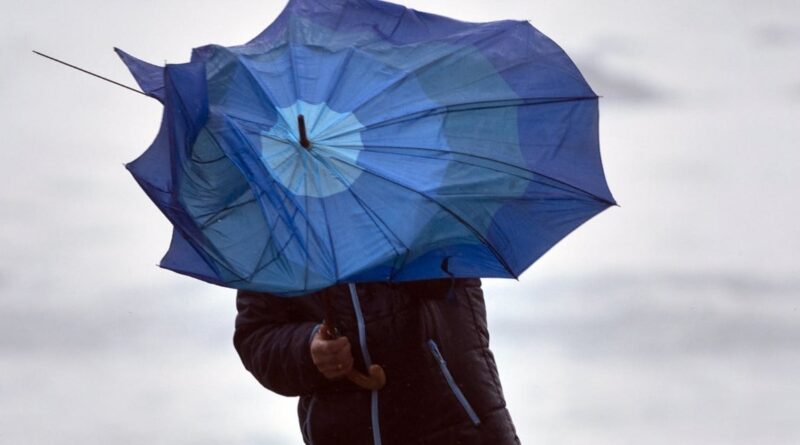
x=293, y=64
x=458, y=218
x=327, y=223
x=146, y=186
x=294, y=70
x=464, y=33
x=331, y=89
x=270, y=242
x=280, y=250
x=227, y=204
x=383, y=228
x=469, y=49
x=308, y=234
x=285, y=244
x=265, y=92
x=287, y=218
x=431, y=113
x=403, y=75
x=261, y=90
x=397, y=24
x=563, y=186
x=212, y=216
x=278, y=253
x=456, y=108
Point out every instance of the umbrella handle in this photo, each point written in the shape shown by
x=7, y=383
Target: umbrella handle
x=376, y=378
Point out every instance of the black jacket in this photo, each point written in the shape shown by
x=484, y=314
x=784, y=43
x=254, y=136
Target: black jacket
x=431, y=339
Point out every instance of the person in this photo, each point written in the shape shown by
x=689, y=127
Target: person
x=430, y=337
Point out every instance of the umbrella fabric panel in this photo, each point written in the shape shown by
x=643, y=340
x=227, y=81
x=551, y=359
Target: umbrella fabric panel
x=149, y=77
x=570, y=156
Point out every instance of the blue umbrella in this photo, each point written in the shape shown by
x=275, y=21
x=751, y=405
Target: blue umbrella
x=358, y=140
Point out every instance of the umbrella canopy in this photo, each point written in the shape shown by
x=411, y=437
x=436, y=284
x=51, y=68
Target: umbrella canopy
x=358, y=140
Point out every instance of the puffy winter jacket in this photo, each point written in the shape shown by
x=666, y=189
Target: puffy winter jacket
x=431, y=339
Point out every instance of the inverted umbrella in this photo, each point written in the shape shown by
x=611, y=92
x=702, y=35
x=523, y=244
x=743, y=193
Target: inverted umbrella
x=357, y=140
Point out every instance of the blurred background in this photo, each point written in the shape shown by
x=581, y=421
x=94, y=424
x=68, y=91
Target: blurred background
x=672, y=319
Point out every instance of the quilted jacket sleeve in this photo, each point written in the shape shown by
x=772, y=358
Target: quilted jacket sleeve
x=274, y=345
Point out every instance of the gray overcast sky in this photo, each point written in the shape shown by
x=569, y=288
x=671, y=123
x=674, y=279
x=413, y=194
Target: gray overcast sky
x=672, y=319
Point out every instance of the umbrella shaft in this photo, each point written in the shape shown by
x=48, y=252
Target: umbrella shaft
x=301, y=124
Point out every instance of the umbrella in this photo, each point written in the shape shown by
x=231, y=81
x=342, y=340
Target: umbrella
x=358, y=140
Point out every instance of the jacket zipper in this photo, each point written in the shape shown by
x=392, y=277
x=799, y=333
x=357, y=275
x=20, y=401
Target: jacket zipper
x=450, y=382
x=362, y=340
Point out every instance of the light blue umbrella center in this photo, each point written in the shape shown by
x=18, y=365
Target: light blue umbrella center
x=328, y=166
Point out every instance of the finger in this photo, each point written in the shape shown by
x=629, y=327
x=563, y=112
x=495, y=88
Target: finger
x=336, y=370
x=344, y=352
x=323, y=358
x=343, y=369
x=326, y=363
x=320, y=348
x=344, y=366
x=334, y=346
x=319, y=357
x=331, y=367
x=328, y=372
x=335, y=373
x=347, y=365
x=343, y=356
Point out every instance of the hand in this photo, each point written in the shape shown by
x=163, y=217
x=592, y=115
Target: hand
x=332, y=357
